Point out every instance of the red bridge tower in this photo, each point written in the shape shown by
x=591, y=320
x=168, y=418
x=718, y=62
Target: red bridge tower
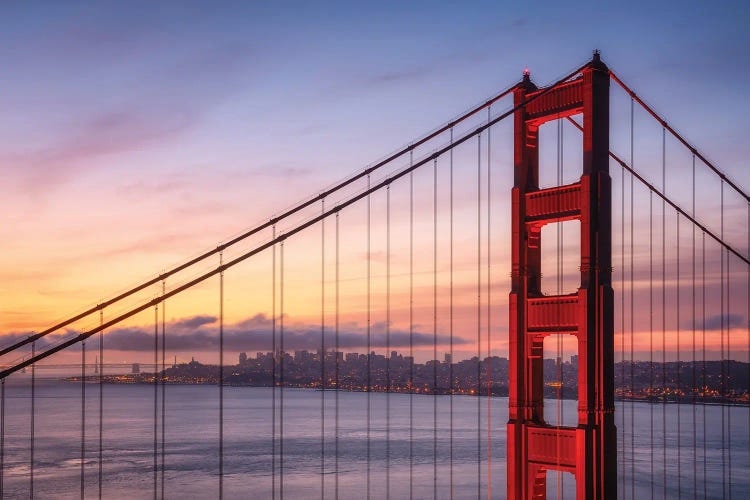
x=588, y=451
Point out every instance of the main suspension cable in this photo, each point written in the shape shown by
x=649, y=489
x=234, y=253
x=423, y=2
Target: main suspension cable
x=288, y=213
x=313, y=220
x=666, y=126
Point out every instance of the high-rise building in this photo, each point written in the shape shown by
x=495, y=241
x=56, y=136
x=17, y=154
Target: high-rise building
x=448, y=358
x=243, y=358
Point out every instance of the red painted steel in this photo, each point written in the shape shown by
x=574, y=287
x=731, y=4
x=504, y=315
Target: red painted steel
x=588, y=451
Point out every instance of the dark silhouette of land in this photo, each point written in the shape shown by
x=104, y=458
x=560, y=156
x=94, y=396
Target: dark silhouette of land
x=686, y=381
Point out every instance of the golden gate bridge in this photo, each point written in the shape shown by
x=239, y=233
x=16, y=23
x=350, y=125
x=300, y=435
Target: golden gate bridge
x=652, y=266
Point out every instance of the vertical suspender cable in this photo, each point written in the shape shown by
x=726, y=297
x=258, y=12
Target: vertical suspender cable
x=101, y=405
x=411, y=327
x=281, y=371
x=679, y=369
x=2, y=437
x=163, y=385
x=388, y=341
x=450, y=368
x=155, y=471
x=369, y=339
x=479, y=315
x=489, y=305
x=664, y=309
x=703, y=366
x=723, y=374
x=322, y=350
x=651, y=333
x=729, y=377
x=336, y=341
x=33, y=421
x=692, y=385
x=558, y=282
x=558, y=338
x=221, y=376
x=632, y=315
x=434, y=329
x=83, y=419
x=622, y=319
x=274, y=355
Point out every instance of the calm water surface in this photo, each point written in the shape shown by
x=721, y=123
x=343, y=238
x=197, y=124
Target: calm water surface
x=192, y=444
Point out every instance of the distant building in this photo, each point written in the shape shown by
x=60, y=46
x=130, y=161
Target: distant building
x=243, y=358
x=136, y=368
x=448, y=358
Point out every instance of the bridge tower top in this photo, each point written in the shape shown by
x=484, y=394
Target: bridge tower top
x=589, y=450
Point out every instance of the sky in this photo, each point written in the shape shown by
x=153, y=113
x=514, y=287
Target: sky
x=136, y=135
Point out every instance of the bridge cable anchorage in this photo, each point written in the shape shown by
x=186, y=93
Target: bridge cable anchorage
x=156, y=399
x=273, y=364
x=450, y=312
x=661, y=194
x=271, y=222
x=101, y=406
x=479, y=315
x=83, y=420
x=336, y=342
x=322, y=349
x=221, y=375
x=297, y=229
x=684, y=142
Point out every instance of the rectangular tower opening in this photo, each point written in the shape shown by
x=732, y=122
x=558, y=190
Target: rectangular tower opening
x=561, y=257
x=560, y=375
